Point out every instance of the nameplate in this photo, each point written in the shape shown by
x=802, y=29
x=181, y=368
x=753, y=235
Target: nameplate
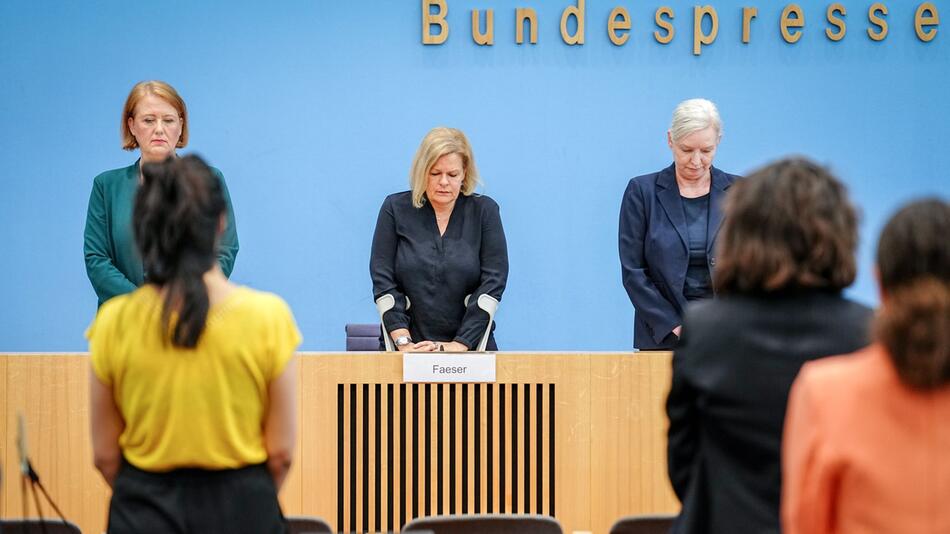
x=448, y=367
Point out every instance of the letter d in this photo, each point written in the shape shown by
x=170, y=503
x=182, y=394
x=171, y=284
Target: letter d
x=578, y=13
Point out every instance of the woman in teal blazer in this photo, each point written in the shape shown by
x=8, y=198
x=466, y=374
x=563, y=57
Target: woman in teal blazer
x=155, y=121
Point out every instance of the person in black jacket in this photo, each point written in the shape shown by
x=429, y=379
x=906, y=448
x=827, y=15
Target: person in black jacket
x=435, y=245
x=786, y=252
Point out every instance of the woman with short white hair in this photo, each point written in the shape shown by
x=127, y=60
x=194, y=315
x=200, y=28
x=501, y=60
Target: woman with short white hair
x=668, y=225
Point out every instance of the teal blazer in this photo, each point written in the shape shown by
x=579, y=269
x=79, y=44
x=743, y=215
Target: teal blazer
x=112, y=259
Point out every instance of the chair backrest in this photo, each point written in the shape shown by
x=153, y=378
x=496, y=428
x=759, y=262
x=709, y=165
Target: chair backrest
x=300, y=524
x=644, y=524
x=37, y=526
x=485, y=524
x=362, y=337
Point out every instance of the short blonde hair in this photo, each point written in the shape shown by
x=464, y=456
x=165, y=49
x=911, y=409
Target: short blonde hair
x=440, y=142
x=165, y=92
x=693, y=115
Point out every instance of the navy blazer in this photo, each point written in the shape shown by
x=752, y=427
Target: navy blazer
x=654, y=251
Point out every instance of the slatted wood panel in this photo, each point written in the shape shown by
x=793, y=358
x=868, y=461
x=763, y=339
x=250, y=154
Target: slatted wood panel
x=599, y=416
x=447, y=454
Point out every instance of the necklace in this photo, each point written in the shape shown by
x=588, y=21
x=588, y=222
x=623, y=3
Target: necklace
x=443, y=218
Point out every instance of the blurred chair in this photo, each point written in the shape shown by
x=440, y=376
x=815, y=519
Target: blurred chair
x=37, y=526
x=383, y=305
x=644, y=524
x=489, y=305
x=362, y=337
x=301, y=524
x=485, y=524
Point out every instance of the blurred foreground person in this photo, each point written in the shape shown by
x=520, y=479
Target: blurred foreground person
x=785, y=253
x=192, y=387
x=867, y=439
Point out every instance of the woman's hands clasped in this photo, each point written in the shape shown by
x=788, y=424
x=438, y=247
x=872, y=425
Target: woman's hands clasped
x=434, y=346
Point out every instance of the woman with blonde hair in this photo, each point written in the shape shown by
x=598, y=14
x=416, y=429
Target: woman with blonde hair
x=866, y=436
x=436, y=244
x=154, y=122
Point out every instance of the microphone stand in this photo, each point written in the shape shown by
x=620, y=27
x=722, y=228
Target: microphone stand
x=34, y=479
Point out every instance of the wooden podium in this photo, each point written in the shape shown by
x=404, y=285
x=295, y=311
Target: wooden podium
x=580, y=436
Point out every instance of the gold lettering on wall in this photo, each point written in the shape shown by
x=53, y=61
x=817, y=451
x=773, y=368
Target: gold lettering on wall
x=664, y=20
x=748, y=13
x=699, y=37
x=787, y=21
x=578, y=13
x=528, y=14
x=487, y=38
x=877, y=20
x=832, y=14
x=623, y=24
x=705, y=23
x=429, y=19
x=931, y=19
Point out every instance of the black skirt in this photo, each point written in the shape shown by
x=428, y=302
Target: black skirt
x=187, y=501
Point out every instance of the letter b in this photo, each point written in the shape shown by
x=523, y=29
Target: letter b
x=428, y=19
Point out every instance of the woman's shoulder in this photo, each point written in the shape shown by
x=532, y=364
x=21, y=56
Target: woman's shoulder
x=727, y=178
x=115, y=175
x=846, y=311
x=255, y=299
x=650, y=178
x=401, y=198
x=120, y=308
x=867, y=371
x=482, y=201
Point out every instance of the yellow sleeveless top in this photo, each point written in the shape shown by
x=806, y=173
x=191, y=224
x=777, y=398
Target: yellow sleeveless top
x=201, y=407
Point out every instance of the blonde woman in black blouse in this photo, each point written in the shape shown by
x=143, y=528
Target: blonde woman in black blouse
x=435, y=244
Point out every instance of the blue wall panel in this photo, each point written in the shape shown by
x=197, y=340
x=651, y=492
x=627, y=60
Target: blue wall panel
x=313, y=110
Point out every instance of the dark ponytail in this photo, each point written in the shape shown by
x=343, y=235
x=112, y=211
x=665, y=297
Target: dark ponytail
x=177, y=212
x=913, y=260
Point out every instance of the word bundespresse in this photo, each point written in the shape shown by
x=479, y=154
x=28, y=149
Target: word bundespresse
x=791, y=22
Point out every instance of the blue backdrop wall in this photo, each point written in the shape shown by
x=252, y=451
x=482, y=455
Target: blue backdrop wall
x=313, y=110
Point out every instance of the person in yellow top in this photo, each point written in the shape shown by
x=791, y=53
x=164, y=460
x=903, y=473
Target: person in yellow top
x=192, y=384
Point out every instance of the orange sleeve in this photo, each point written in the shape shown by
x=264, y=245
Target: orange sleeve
x=809, y=477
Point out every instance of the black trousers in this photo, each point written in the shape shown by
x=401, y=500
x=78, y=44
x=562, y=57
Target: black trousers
x=186, y=501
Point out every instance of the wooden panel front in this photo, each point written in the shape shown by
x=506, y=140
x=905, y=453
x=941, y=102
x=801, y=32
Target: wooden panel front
x=577, y=436
x=446, y=449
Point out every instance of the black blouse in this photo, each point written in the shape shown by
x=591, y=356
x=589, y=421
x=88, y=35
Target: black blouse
x=410, y=259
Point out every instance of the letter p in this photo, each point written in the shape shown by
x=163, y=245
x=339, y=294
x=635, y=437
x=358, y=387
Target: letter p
x=700, y=38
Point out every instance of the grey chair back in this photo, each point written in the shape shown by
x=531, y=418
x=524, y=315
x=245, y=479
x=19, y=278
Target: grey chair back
x=300, y=524
x=485, y=524
x=37, y=526
x=362, y=337
x=644, y=524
